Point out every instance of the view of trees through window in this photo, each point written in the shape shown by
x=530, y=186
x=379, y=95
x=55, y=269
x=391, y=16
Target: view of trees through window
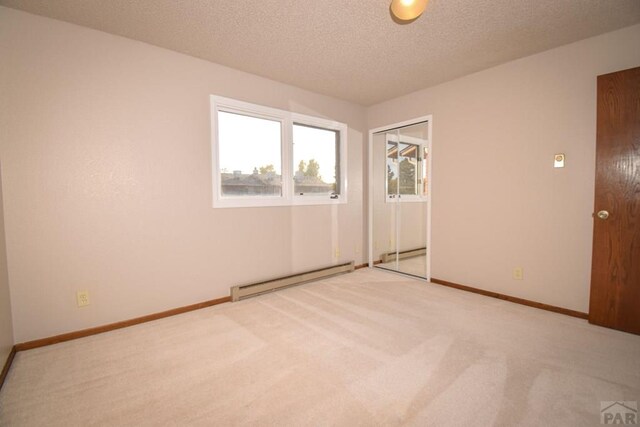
x=315, y=154
x=402, y=169
x=244, y=142
x=269, y=157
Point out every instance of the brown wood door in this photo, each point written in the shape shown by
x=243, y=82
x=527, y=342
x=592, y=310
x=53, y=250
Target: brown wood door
x=615, y=270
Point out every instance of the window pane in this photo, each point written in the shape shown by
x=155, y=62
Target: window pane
x=250, y=155
x=408, y=158
x=425, y=171
x=315, y=160
x=392, y=168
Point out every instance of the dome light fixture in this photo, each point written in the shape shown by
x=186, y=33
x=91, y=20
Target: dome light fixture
x=408, y=10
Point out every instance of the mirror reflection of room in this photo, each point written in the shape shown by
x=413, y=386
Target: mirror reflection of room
x=400, y=172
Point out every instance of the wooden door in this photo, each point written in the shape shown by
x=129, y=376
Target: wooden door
x=615, y=271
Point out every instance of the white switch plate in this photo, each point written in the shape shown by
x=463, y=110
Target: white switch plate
x=558, y=160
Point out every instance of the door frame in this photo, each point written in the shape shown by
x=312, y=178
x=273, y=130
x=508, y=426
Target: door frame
x=429, y=120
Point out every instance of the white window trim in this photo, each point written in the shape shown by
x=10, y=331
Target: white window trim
x=287, y=119
x=407, y=198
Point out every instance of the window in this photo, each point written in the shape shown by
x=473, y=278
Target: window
x=315, y=158
x=268, y=157
x=250, y=155
x=406, y=169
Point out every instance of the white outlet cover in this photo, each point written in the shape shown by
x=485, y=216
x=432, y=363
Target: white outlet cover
x=82, y=298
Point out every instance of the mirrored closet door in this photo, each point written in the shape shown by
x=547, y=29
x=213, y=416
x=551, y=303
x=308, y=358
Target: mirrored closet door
x=400, y=198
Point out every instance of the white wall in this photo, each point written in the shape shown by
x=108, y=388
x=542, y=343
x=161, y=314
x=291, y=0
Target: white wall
x=107, y=180
x=6, y=324
x=498, y=202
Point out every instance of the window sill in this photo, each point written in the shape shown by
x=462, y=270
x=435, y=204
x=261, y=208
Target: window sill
x=277, y=202
x=407, y=199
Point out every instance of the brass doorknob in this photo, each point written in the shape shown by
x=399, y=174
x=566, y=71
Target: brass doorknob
x=603, y=214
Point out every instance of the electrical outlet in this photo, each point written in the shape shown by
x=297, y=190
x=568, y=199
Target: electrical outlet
x=82, y=298
x=518, y=273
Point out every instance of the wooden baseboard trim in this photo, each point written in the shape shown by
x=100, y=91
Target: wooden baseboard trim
x=7, y=365
x=516, y=300
x=377, y=262
x=118, y=325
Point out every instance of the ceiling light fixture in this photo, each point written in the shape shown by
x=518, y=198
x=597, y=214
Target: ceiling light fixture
x=408, y=10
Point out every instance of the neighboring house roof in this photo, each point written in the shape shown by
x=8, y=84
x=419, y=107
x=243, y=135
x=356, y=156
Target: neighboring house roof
x=313, y=184
x=310, y=180
x=252, y=180
x=235, y=182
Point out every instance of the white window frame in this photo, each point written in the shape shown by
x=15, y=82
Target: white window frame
x=408, y=198
x=287, y=120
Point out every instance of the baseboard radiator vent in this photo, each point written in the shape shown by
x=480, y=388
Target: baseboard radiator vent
x=246, y=291
x=391, y=256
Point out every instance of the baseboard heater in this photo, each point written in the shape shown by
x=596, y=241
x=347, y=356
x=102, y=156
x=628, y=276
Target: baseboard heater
x=246, y=291
x=391, y=256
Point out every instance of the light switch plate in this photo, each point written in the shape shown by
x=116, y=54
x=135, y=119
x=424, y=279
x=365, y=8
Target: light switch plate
x=558, y=160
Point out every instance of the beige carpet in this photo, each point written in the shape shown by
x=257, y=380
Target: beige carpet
x=368, y=348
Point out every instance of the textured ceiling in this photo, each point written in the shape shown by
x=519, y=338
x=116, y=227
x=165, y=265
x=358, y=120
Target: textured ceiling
x=348, y=49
